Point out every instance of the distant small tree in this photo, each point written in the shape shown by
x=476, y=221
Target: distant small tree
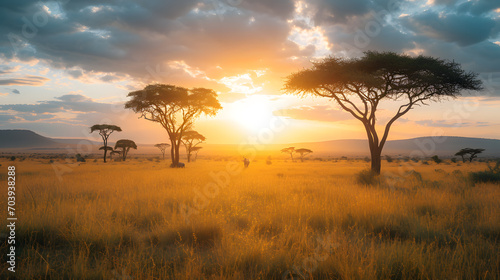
x=125, y=145
x=107, y=148
x=436, y=159
x=105, y=131
x=388, y=158
x=303, y=152
x=289, y=150
x=469, y=151
x=163, y=148
x=195, y=150
x=191, y=139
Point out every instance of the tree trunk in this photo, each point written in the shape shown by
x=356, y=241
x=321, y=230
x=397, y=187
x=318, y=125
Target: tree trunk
x=177, y=154
x=105, y=148
x=189, y=156
x=376, y=159
x=172, y=153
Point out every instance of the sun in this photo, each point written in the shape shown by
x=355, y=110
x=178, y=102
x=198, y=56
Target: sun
x=253, y=113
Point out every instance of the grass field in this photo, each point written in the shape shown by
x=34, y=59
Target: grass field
x=311, y=220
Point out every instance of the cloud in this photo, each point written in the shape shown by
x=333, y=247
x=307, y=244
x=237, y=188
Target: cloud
x=462, y=29
x=315, y=113
x=444, y=123
x=25, y=81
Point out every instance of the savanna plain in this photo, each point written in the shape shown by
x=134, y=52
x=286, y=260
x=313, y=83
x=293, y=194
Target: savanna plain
x=318, y=219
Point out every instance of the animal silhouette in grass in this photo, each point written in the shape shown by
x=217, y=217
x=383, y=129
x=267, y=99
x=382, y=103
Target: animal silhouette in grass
x=105, y=130
x=360, y=85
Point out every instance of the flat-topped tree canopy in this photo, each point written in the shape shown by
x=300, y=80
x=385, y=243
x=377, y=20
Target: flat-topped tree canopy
x=358, y=85
x=175, y=108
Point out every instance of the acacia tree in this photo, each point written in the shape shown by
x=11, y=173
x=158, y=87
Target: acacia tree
x=105, y=131
x=469, y=151
x=289, y=150
x=195, y=150
x=359, y=85
x=191, y=139
x=303, y=153
x=107, y=148
x=163, y=148
x=125, y=145
x=175, y=108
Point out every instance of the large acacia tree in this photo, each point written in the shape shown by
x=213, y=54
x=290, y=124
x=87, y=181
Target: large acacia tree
x=175, y=108
x=359, y=85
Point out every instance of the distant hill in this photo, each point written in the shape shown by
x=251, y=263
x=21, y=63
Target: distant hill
x=17, y=138
x=20, y=140
x=423, y=146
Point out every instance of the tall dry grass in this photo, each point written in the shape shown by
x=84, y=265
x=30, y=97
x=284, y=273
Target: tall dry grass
x=313, y=219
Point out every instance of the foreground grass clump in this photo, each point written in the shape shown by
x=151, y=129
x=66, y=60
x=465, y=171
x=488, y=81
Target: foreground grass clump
x=491, y=175
x=312, y=220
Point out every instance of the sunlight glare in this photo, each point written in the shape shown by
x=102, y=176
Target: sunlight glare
x=253, y=113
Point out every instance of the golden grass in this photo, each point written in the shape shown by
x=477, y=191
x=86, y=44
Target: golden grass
x=105, y=221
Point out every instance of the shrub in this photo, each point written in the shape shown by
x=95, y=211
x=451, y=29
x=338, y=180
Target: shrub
x=454, y=160
x=367, y=178
x=388, y=158
x=79, y=158
x=12, y=158
x=436, y=159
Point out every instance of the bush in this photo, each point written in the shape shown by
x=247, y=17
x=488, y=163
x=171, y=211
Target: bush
x=454, y=160
x=79, y=158
x=436, y=159
x=367, y=178
x=12, y=158
x=388, y=158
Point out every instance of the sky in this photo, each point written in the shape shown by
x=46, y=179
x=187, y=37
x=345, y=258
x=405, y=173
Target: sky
x=66, y=65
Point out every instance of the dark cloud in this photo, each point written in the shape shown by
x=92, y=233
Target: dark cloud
x=25, y=81
x=461, y=29
x=15, y=91
x=315, y=113
x=478, y=7
x=65, y=103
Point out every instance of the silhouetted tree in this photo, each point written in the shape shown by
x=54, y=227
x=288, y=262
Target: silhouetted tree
x=358, y=85
x=175, y=108
x=195, y=150
x=469, y=151
x=125, y=145
x=191, y=139
x=303, y=153
x=105, y=131
x=163, y=148
x=289, y=150
x=107, y=148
